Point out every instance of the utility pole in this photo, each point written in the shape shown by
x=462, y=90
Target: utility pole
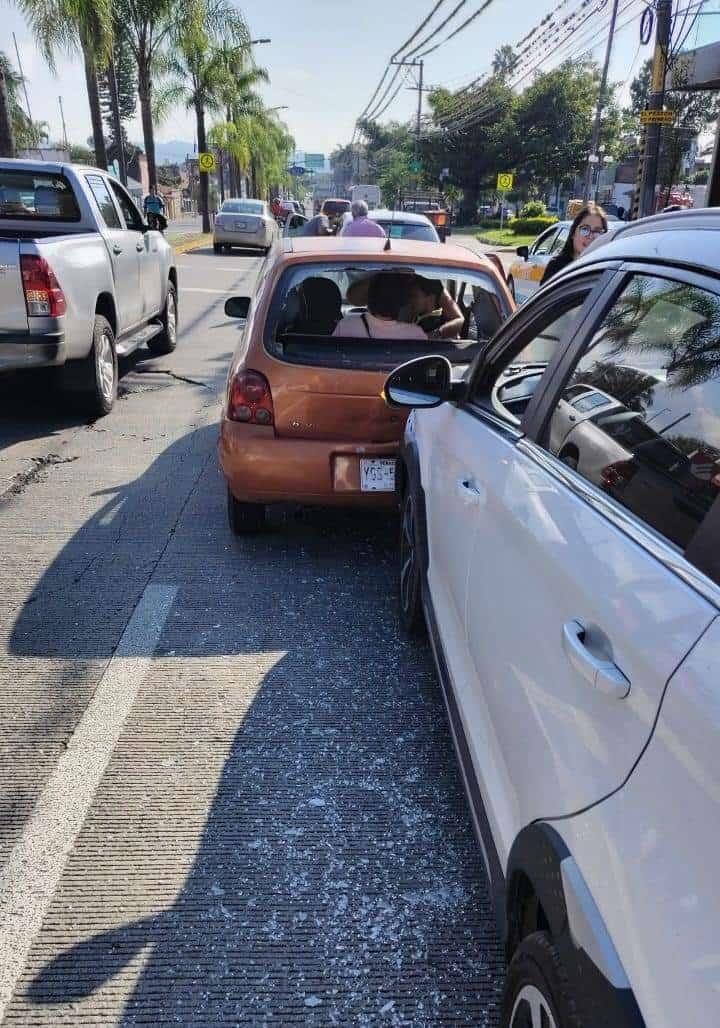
x=22, y=77
x=420, y=65
x=655, y=103
x=600, y=105
x=62, y=119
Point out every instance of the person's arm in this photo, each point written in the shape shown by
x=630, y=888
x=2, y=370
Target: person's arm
x=455, y=319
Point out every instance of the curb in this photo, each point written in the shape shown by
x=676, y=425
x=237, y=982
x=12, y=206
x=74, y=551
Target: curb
x=196, y=243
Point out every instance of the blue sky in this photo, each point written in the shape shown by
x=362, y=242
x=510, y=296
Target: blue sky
x=325, y=60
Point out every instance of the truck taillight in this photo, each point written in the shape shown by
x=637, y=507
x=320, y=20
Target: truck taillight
x=617, y=475
x=43, y=296
x=250, y=399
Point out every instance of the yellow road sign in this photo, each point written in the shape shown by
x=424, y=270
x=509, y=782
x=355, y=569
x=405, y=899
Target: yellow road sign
x=206, y=161
x=657, y=117
x=504, y=182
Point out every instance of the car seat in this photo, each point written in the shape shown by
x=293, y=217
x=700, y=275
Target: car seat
x=320, y=307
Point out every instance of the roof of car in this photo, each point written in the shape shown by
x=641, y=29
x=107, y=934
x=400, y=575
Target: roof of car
x=678, y=237
x=399, y=217
x=365, y=247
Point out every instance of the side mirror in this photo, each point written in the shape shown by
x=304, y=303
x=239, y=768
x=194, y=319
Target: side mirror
x=523, y=251
x=424, y=382
x=237, y=307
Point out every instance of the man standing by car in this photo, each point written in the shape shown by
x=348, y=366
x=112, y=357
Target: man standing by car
x=317, y=226
x=154, y=209
x=361, y=225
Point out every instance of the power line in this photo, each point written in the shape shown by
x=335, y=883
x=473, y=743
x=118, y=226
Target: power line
x=439, y=28
x=459, y=29
x=419, y=29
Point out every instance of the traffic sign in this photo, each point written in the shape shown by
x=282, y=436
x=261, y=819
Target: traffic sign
x=416, y=166
x=206, y=161
x=657, y=117
x=505, y=181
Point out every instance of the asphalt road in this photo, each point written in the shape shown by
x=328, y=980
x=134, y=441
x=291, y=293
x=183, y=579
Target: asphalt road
x=227, y=789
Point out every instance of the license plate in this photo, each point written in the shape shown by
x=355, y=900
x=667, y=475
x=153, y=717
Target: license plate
x=377, y=476
x=240, y=225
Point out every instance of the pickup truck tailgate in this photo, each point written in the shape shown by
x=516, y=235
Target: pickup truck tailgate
x=13, y=312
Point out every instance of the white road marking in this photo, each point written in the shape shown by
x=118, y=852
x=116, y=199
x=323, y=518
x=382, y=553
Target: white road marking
x=108, y=518
x=198, y=289
x=32, y=873
x=239, y=269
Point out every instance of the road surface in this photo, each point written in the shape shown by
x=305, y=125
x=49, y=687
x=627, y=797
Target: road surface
x=227, y=789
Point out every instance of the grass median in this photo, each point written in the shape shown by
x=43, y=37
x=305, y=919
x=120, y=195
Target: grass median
x=504, y=237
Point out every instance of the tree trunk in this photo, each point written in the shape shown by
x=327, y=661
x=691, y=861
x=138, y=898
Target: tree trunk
x=145, y=97
x=117, y=122
x=7, y=137
x=204, y=177
x=221, y=170
x=95, y=111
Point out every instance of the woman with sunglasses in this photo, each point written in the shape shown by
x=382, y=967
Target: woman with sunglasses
x=590, y=223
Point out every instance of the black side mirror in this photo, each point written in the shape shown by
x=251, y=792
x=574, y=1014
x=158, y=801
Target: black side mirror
x=523, y=251
x=237, y=307
x=424, y=382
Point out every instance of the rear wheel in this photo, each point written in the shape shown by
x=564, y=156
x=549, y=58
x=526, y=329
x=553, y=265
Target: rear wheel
x=244, y=518
x=410, y=584
x=94, y=380
x=216, y=248
x=537, y=993
x=166, y=341
x=227, y=248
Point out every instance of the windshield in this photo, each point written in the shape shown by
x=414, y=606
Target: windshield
x=405, y=230
x=37, y=196
x=242, y=207
x=327, y=302
x=334, y=207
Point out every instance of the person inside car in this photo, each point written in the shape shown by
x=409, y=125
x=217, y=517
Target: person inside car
x=434, y=310
x=590, y=223
x=388, y=295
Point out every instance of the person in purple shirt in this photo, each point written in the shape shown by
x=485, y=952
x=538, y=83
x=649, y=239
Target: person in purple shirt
x=361, y=225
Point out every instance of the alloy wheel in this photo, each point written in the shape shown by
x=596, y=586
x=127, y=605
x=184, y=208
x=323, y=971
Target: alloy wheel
x=106, y=366
x=531, y=1010
x=171, y=318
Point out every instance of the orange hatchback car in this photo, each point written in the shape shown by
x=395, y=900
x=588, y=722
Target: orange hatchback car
x=303, y=419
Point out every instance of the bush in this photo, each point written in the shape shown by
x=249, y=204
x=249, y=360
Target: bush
x=533, y=209
x=531, y=226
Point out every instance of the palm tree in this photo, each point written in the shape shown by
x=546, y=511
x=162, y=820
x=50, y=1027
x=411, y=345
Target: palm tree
x=198, y=72
x=18, y=131
x=66, y=25
x=7, y=136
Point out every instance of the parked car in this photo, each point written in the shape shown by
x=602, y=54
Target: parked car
x=248, y=224
x=406, y=225
x=525, y=274
x=83, y=280
x=303, y=419
x=575, y=623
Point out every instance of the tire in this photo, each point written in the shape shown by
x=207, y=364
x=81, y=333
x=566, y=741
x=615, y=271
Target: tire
x=536, y=976
x=217, y=248
x=166, y=341
x=227, y=248
x=94, y=380
x=410, y=609
x=245, y=518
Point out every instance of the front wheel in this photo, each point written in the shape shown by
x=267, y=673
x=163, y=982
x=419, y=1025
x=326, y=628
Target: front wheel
x=244, y=518
x=166, y=341
x=412, y=619
x=537, y=993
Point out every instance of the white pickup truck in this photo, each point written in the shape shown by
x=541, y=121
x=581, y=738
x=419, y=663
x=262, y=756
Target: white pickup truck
x=83, y=280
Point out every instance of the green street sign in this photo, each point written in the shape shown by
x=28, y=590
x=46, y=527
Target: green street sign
x=416, y=166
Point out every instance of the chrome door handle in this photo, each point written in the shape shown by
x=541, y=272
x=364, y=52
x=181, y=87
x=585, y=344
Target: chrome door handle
x=602, y=674
x=117, y=249
x=470, y=490
x=139, y=247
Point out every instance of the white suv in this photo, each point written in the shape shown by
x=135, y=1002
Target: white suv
x=572, y=606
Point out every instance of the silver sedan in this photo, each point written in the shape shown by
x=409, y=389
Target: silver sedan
x=244, y=223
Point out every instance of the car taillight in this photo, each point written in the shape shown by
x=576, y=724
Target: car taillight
x=618, y=474
x=43, y=296
x=250, y=399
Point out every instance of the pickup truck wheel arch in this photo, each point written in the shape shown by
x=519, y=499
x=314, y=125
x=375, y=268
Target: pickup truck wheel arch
x=105, y=306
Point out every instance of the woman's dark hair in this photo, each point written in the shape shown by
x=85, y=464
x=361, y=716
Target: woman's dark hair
x=388, y=293
x=568, y=250
x=430, y=287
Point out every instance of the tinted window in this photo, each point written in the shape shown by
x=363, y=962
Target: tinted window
x=242, y=207
x=656, y=450
x=335, y=207
x=106, y=207
x=560, y=240
x=544, y=244
x=34, y=196
x=422, y=233
x=132, y=216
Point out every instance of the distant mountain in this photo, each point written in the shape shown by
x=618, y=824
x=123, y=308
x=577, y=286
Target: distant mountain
x=173, y=152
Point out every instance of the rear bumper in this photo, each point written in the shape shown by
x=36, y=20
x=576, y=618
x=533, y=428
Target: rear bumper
x=23, y=350
x=260, y=468
x=251, y=240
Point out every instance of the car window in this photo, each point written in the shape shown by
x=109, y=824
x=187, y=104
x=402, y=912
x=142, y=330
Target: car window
x=243, y=207
x=654, y=442
x=407, y=230
x=507, y=391
x=132, y=216
x=36, y=196
x=106, y=207
x=559, y=240
x=544, y=243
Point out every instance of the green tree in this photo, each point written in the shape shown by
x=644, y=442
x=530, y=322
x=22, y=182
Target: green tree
x=126, y=80
x=505, y=61
x=7, y=134
x=69, y=25
x=24, y=132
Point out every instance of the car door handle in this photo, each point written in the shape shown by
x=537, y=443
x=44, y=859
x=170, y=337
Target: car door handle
x=139, y=247
x=602, y=674
x=470, y=491
x=117, y=249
